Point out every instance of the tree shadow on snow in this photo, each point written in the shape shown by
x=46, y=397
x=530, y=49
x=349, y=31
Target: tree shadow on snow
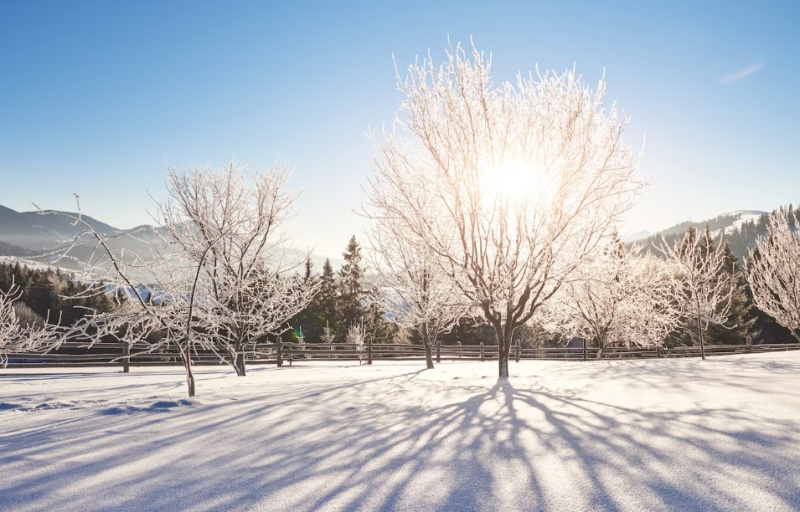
x=405, y=442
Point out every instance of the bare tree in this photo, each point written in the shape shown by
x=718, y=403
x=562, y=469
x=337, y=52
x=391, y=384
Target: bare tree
x=218, y=270
x=413, y=290
x=620, y=298
x=234, y=215
x=702, y=287
x=773, y=272
x=171, y=317
x=508, y=185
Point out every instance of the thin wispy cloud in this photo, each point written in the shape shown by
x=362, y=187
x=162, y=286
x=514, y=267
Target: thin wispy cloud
x=742, y=73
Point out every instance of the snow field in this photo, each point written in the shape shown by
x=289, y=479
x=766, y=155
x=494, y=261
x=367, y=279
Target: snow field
x=614, y=435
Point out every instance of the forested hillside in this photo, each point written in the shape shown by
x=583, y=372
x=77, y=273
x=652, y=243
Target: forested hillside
x=44, y=295
x=740, y=233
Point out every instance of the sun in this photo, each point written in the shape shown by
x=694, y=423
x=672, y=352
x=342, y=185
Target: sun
x=514, y=180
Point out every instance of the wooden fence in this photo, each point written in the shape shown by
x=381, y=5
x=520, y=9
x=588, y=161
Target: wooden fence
x=124, y=355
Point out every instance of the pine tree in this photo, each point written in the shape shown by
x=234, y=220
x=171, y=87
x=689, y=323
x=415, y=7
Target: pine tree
x=309, y=323
x=351, y=303
x=326, y=299
x=740, y=317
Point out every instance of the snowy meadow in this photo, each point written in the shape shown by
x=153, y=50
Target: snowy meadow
x=664, y=434
x=492, y=217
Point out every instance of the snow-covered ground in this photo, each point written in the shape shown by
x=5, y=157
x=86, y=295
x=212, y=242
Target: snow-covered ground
x=625, y=435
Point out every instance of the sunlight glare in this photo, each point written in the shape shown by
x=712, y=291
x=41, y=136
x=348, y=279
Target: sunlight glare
x=516, y=181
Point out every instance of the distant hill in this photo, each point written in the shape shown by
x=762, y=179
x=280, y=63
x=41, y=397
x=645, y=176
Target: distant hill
x=740, y=228
x=38, y=232
x=32, y=236
x=7, y=249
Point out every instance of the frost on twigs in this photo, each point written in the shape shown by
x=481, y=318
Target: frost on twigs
x=619, y=297
x=356, y=336
x=702, y=287
x=507, y=185
x=227, y=223
x=215, y=277
x=18, y=336
x=773, y=271
x=413, y=290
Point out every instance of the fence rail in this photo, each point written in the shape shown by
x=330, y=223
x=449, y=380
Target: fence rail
x=124, y=355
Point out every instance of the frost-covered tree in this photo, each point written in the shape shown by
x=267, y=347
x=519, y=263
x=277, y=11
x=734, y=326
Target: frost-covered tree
x=218, y=271
x=508, y=185
x=327, y=335
x=773, y=271
x=356, y=336
x=413, y=291
x=620, y=297
x=226, y=221
x=702, y=287
x=19, y=336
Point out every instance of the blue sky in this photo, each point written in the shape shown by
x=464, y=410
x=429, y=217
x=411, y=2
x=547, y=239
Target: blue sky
x=96, y=97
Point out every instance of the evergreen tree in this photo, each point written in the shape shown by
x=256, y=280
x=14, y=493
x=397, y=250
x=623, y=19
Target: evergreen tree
x=42, y=296
x=740, y=317
x=326, y=300
x=308, y=325
x=352, y=297
x=377, y=327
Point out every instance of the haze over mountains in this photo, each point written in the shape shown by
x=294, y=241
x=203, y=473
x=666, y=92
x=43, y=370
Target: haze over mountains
x=32, y=236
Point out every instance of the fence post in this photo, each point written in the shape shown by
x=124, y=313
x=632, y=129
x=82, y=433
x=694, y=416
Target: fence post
x=279, y=352
x=584, y=349
x=749, y=346
x=459, y=349
x=481, y=351
x=289, y=352
x=369, y=350
x=658, y=351
x=439, y=352
x=126, y=358
x=517, y=350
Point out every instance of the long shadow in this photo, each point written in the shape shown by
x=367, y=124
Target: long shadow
x=405, y=442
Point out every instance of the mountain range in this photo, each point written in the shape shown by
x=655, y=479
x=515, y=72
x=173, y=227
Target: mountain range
x=31, y=237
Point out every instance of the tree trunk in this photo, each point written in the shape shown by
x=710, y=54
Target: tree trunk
x=237, y=358
x=190, y=379
x=502, y=363
x=426, y=342
x=503, y=335
x=239, y=364
x=599, y=352
x=187, y=365
x=428, y=356
x=702, y=344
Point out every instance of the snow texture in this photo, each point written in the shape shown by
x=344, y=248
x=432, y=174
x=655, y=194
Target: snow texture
x=613, y=435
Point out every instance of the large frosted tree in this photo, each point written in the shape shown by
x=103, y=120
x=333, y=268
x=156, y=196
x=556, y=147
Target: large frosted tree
x=773, y=271
x=507, y=185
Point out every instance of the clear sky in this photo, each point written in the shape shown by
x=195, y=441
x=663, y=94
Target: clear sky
x=96, y=97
